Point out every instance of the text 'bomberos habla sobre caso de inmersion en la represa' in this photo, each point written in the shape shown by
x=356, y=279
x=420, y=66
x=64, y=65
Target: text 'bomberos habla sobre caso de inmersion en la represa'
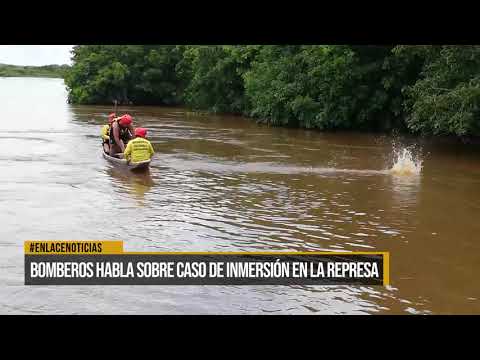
x=148, y=269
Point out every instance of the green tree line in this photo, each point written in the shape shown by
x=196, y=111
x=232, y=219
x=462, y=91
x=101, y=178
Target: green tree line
x=54, y=71
x=420, y=89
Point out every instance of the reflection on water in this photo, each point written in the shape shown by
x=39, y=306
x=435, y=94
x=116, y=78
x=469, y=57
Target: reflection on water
x=405, y=190
x=221, y=183
x=135, y=183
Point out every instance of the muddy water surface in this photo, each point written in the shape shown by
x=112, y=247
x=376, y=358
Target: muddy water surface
x=223, y=183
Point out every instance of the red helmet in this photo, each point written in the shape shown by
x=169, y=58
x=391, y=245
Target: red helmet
x=111, y=117
x=142, y=132
x=126, y=120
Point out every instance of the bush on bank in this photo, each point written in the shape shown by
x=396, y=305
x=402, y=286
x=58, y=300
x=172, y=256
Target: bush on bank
x=421, y=89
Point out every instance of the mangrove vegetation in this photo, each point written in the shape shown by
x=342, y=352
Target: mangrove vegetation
x=419, y=89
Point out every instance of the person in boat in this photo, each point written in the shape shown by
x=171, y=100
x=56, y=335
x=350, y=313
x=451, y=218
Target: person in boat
x=121, y=132
x=106, y=133
x=139, y=149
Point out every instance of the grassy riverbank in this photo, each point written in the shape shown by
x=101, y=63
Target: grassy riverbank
x=53, y=71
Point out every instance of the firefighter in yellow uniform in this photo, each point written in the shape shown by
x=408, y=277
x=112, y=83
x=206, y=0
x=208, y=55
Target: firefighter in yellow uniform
x=139, y=149
x=106, y=134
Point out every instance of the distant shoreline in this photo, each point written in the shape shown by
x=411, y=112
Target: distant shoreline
x=45, y=71
x=31, y=76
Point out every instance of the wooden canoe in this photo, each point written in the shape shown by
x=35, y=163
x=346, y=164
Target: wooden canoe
x=119, y=160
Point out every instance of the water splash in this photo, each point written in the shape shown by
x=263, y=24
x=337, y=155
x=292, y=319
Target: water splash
x=405, y=163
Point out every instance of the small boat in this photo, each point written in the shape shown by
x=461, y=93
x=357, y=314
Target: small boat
x=118, y=159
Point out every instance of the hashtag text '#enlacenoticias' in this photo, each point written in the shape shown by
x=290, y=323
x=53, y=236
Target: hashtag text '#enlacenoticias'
x=66, y=247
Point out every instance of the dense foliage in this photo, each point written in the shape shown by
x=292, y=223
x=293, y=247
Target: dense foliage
x=133, y=73
x=446, y=97
x=422, y=89
x=55, y=71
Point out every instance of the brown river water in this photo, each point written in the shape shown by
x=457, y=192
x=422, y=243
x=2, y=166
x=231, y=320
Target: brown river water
x=223, y=183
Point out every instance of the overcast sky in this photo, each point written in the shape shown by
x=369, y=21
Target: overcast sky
x=35, y=54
